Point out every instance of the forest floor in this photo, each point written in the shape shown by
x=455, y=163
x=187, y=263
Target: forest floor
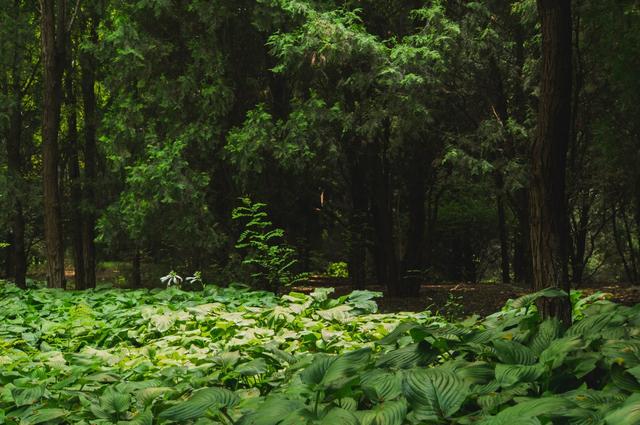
x=467, y=298
x=458, y=299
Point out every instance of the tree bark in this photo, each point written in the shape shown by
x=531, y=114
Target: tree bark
x=412, y=263
x=502, y=229
x=356, y=240
x=14, y=165
x=382, y=212
x=53, y=60
x=18, y=256
x=522, y=263
x=74, y=178
x=88, y=79
x=136, y=270
x=501, y=111
x=549, y=222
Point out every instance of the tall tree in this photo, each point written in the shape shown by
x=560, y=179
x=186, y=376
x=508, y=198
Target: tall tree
x=18, y=259
x=73, y=164
x=88, y=64
x=53, y=23
x=549, y=225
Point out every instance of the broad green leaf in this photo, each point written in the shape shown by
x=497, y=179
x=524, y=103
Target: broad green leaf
x=435, y=390
x=253, y=367
x=389, y=413
x=547, y=331
x=271, y=412
x=508, y=375
x=199, y=403
x=28, y=395
x=555, y=354
x=512, y=352
x=628, y=414
x=491, y=400
x=380, y=385
x=419, y=354
x=340, y=416
x=143, y=418
x=39, y=416
x=545, y=407
x=529, y=299
x=146, y=396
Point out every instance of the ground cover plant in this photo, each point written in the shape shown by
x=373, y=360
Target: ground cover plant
x=225, y=356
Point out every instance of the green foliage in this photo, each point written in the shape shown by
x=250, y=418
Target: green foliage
x=453, y=309
x=271, y=261
x=238, y=356
x=338, y=269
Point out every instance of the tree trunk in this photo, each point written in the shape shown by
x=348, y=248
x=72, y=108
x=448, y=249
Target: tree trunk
x=356, y=239
x=17, y=250
x=522, y=263
x=549, y=225
x=88, y=65
x=14, y=165
x=52, y=58
x=136, y=270
x=382, y=212
x=74, y=177
x=578, y=243
x=502, y=230
x=412, y=263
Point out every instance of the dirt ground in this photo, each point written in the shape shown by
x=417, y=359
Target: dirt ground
x=459, y=298
x=482, y=298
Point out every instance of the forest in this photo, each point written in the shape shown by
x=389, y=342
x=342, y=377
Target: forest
x=320, y=212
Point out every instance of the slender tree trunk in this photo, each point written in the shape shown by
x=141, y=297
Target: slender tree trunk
x=18, y=256
x=8, y=256
x=502, y=230
x=522, y=263
x=74, y=177
x=382, y=212
x=633, y=260
x=88, y=79
x=579, y=243
x=500, y=108
x=14, y=165
x=619, y=244
x=136, y=270
x=549, y=226
x=52, y=56
x=412, y=263
x=357, y=249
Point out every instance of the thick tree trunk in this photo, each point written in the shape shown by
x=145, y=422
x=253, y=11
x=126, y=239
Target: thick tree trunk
x=52, y=56
x=549, y=226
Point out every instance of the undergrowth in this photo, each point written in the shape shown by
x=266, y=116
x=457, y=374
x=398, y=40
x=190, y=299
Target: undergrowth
x=234, y=356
